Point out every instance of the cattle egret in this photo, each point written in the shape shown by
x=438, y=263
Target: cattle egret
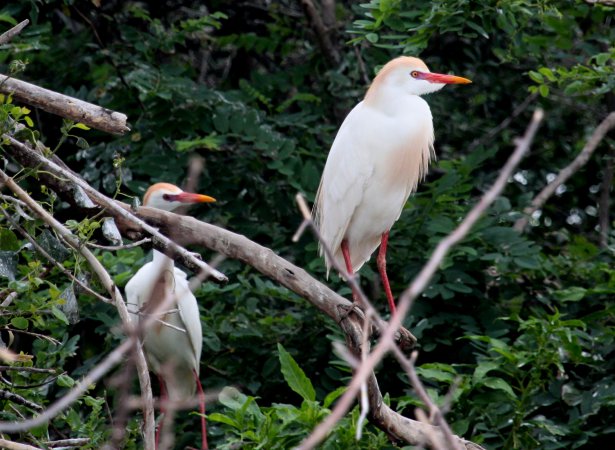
x=172, y=345
x=380, y=153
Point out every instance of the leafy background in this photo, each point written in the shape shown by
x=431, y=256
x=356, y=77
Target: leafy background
x=520, y=326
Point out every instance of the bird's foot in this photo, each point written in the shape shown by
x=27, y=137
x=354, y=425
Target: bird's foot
x=403, y=338
x=346, y=310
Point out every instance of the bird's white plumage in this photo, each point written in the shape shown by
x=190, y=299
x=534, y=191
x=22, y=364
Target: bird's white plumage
x=172, y=345
x=381, y=152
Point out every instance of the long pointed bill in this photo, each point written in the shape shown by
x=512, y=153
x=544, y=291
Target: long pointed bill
x=444, y=79
x=188, y=197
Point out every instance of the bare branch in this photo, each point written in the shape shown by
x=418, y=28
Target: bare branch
x=26, y=369
x=120, y=247
x=323, y=34
x=51, y=259
x=601, y=130
x=10, y=445
x=119, y=210
x=420, y=283
x=64, y=106
x=7, y=36
x=112, y=289
x=604, y=205
x=6, y=395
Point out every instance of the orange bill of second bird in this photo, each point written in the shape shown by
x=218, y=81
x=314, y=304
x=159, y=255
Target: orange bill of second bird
x=380, y=153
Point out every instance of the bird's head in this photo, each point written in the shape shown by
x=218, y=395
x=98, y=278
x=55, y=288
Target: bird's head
x=168, y=197
x=411, y=76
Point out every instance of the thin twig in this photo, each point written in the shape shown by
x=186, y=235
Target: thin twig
x=604, y=205
x=26, y=369
x=420, y=283
x=113, y=248
x=599, y=133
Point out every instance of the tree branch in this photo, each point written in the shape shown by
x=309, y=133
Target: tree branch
x=112, y=289
x=581, y=159
x=7, y=36
x=323, y=34
x=64, y=106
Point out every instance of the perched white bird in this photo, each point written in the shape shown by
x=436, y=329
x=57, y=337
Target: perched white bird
x=380, y=153
x=173, y=344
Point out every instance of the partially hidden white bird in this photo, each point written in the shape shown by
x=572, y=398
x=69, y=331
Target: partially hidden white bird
x=380, y=153
x=173, y=343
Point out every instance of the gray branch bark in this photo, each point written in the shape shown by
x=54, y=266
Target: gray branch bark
x=64, y=106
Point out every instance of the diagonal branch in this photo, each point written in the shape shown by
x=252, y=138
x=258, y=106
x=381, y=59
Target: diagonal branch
x=599, y=133
x=7, y=36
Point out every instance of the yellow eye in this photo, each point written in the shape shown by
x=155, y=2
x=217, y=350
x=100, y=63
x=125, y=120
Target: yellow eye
x=414, y=74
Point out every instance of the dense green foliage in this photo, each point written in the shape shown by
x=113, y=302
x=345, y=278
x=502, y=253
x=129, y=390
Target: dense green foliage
x=521, y=326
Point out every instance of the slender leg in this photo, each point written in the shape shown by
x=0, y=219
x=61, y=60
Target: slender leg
x=163, y=401
x=381, y=262
x=346, y=253
x=202, y=410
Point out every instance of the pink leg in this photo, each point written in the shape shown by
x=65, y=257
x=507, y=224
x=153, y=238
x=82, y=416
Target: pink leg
x=346, y=253
x=163, y=400
x=381, y=262
x=202, y=410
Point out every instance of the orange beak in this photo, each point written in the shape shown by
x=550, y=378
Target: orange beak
x=444, y=79
x=189, y=197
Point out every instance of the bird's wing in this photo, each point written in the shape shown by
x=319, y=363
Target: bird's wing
x=347, y=172
x=189, y=313
x=136, y=288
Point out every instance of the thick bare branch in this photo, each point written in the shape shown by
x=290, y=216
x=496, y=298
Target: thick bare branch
x=601, y=130
x=7, y=36
x=6, y=395
x=64, y=106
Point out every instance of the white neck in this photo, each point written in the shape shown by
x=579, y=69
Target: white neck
x=162, y=262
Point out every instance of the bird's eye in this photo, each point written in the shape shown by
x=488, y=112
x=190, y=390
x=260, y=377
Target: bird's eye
x=167, y=197
x=414, y=74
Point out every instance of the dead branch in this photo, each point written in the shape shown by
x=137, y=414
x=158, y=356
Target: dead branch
x=601, y=130
x=10, y=445
x=112, y=289
x=322, y=32
x=111, y=360
x=6, y=395
x=64, y=106
x=604, y=205
x=7, y=36
x=26, y=369
x=50, y=258
x=420, y=283
x=29, y=157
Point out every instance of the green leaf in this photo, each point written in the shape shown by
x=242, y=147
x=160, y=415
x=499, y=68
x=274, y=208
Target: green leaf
x=537, y=77
x=21, y=323
x=499, y=384
x=482, y=369
x=81, y=126
x=222, y=418
x=294, y=375
x=65, y=381
x=332, y=396
x=59, y=314
x=548, y=73
x=572, y=294
x=543, y=90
